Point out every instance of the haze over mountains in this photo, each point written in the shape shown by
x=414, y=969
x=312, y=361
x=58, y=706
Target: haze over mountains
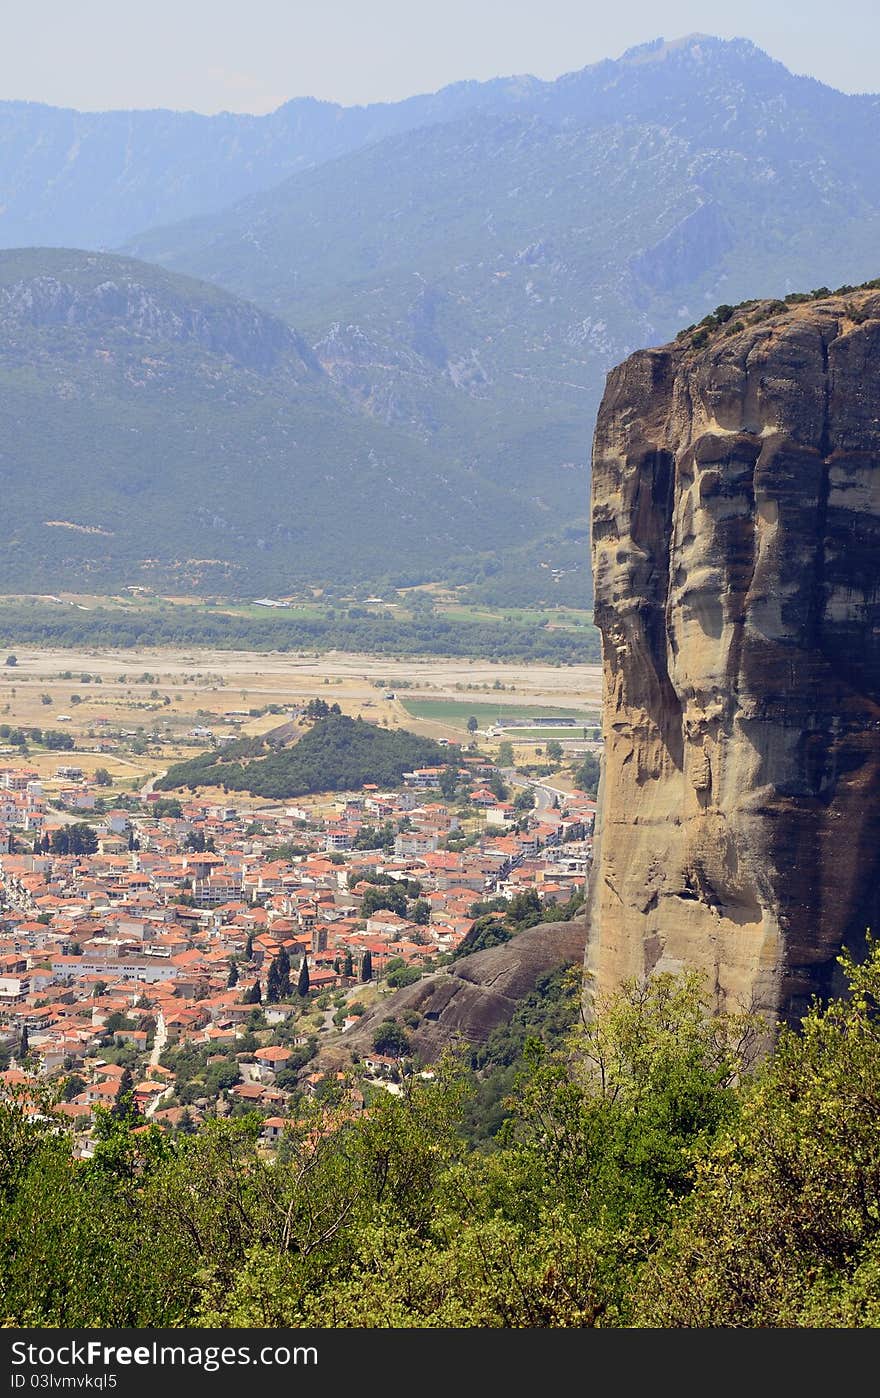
x=464, y=268
x=158, y=429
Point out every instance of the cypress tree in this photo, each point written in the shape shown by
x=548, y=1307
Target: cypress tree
x=124, y=1108
x=233, y=976
x=348, y=968
x=249, y=947
x=367, y=966
x=254, y=996
x=23, y=1045
x=302, y=986
x=273, y=983
x=283, y=961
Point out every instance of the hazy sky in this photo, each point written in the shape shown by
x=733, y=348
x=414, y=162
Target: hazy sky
x=251, y=55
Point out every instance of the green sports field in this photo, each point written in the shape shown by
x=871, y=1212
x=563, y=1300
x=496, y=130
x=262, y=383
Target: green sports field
x=456, y=712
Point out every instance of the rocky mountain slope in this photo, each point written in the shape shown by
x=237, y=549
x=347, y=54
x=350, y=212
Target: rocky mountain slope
x=736, y=553
x=156, y=429
x=463, y=269
x=92, y=179
x=460, y=1006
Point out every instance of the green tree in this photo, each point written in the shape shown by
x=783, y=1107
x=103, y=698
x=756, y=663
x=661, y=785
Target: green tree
x=348, y=968
x=525, y=909
x=391, y=1039
x=23, y=1044
x=783, y=1226
x=487, y=931
x=102, y=777
x=378, y=897
x=254, y=996
x=448, y=782
x=472, y=724
x=232, y=978
x=587, y=774
x=497, y=787
x=124, y=1107
x=420, y=912
x=273, y=983
x=283, y=960
x=367, y=966
x=302, y=986
x=73, y=1086
x=404, y=975
x=554, y=750
x=505, y=754
x=74, y=839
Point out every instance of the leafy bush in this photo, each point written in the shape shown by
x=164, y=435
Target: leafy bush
x=391, y=1039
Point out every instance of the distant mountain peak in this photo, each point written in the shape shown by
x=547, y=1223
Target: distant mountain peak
x=656, y=50
x=659, y=50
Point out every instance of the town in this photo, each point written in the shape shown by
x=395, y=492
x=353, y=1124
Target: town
x=185, y=956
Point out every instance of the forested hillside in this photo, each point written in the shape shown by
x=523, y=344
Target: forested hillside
x=336, y=754
x=158, y=431
x=651, y=1178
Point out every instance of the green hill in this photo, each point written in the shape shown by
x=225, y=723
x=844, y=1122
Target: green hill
x=157, y=430
x=337, y=754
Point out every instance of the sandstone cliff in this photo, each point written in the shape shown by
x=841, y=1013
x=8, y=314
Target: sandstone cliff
x=736, y=525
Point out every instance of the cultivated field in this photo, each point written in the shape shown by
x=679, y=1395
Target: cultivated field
x=456, y=712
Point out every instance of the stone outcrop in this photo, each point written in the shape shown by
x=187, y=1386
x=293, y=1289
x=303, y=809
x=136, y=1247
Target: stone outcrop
x=460, y=1006
x=736, y=557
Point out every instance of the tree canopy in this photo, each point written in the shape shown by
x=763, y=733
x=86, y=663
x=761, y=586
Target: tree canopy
x=651, y=1168
x=336, y=754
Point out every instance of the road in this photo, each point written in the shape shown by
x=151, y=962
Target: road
x=544, y=795
x=148, y=786
x=158, y=1046
x=159, y=1042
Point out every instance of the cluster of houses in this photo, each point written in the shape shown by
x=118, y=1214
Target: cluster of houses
x=165, y=935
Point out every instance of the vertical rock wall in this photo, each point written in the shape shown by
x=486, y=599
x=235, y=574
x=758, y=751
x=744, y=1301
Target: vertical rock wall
x=736, y=557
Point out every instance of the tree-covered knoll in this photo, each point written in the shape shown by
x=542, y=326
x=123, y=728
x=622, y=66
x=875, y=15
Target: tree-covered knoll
x=648, y=1174
x=336, y=754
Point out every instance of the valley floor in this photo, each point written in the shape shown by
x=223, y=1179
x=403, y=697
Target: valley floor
x=173, y=690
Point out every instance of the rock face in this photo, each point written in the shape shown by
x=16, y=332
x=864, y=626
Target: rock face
x=736, y=557
x=123, y=303
x=462, y=1005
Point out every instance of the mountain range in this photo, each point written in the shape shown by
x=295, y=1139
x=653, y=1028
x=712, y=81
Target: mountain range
x=458, y=273
x=156, y=429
